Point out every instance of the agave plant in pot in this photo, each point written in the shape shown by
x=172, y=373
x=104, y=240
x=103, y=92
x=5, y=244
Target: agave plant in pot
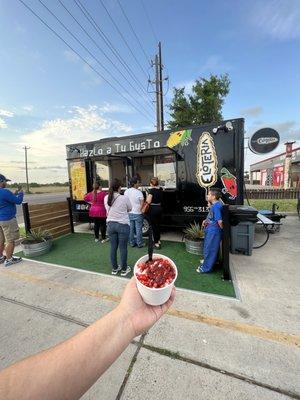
x=194, y=237
x=37, y=242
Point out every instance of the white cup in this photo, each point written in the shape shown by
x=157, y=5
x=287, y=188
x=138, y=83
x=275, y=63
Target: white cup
x=154, y=296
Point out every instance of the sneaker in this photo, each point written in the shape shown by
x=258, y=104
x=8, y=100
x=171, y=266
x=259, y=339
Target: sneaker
x=104, y=240
x=126, y=271
x=2, y=259
x=13, y=260
x=199, y=270
x=140, y=247
x=115, y=271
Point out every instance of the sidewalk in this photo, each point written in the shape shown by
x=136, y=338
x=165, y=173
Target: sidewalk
x=207, y=347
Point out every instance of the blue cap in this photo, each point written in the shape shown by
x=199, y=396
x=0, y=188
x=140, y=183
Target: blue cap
x=3, y=179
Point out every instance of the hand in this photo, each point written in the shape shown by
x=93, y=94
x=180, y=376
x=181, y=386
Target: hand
x=204, y=223
x=141, y=315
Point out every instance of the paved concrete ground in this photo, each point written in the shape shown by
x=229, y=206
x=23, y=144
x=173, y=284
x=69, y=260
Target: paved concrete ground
x=40, y=199
x=207, y=347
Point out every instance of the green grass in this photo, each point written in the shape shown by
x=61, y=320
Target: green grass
x=79, y=250
x=22, y=231
x=285, y=205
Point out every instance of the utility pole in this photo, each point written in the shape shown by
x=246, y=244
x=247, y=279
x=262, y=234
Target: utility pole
x=157, y=95
x=26, y=169
x=158, y=81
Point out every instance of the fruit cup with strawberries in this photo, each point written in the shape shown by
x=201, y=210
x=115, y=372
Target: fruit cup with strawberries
x=155, y=279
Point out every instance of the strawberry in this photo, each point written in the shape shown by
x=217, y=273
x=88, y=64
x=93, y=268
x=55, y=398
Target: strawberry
x=156, y=274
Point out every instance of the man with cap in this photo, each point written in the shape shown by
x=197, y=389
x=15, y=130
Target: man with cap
x=9, y=229
x=136, y=217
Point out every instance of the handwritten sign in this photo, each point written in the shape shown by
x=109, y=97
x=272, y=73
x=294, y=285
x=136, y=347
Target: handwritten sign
x=207, y=162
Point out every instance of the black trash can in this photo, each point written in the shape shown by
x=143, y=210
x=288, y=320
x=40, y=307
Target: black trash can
x=242, y=221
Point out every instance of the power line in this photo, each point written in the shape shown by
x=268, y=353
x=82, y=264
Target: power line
x=123, y=38
x=150, y=23
x=102, y=51
x=110, y=45
x=91, y=54
x=133, y=31
x=82, y=58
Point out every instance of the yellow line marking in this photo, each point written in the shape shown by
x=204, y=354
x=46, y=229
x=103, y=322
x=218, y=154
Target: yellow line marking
x=252, y=330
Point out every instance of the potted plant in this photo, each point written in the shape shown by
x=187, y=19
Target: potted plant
x=194, y=237
x=37, y=242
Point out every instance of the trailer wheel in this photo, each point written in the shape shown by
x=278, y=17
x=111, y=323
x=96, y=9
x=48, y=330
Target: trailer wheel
x=145, y=228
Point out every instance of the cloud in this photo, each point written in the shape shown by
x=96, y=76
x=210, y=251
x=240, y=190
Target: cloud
x=109, y=108
x=28, y=108
x=251, y=112
x=93, y=78
x=278, y=19
x=288, y=130
x=215, y=64
x=6, y=113
x=2, y=124
x=47, y=153
x=71, y=56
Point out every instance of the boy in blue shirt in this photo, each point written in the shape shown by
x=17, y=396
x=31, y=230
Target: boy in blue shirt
x=213, y=228
x=9, y=229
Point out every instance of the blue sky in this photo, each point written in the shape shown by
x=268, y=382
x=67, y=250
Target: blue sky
x=49, y=97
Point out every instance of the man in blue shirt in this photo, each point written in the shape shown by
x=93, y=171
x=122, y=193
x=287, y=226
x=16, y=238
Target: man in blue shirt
x=9, y=229
x=213, y=228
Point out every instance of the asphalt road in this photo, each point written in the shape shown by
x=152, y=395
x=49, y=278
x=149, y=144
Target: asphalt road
x=40, y=199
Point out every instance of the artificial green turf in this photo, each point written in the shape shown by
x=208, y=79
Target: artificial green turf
x=79, y=250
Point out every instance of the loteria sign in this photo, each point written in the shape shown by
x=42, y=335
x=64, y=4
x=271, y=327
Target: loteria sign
x=207, y=162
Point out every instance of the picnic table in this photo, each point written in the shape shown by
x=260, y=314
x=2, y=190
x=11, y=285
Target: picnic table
x=272, y=226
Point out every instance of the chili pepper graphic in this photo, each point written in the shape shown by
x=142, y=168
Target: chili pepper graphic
x=229, y=182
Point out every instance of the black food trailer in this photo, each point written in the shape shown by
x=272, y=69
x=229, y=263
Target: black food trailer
x=187, y=162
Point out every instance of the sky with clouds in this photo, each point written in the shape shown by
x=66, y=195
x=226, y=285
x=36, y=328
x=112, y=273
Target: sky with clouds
x=49, y=97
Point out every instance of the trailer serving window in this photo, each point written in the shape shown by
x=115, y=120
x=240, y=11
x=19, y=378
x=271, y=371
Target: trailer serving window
x=102, y=173
x=143, y=168
x=118, y=170
x=166, y=170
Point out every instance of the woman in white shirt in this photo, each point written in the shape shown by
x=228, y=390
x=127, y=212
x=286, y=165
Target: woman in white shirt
x=136, y=217
x=117, y=207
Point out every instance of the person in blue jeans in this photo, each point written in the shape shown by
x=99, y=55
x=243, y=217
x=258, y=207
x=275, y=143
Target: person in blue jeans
x=117, y=207
x=136, y=217
x=213, y=229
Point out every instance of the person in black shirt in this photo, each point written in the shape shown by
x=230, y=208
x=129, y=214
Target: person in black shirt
x=154, y=198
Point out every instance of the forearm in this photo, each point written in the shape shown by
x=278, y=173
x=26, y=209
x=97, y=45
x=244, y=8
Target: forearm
x=69, y=369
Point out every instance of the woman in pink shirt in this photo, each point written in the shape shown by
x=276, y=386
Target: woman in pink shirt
x=97, y=211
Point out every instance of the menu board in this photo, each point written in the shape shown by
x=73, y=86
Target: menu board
x=78, y=179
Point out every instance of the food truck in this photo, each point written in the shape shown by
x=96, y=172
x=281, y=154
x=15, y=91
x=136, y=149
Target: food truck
x=187, y=162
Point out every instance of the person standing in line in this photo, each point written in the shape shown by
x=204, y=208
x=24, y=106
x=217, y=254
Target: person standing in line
x=136, y=217
x=154, y=199
x=118, y=207
x=97, y=211
x=9, y=229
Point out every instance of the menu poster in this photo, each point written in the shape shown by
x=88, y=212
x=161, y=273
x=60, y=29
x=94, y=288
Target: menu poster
x=78, y=180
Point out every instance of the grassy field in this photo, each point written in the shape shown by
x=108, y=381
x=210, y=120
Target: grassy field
x=49, y=189
x=285, y=205
x=79, y=250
